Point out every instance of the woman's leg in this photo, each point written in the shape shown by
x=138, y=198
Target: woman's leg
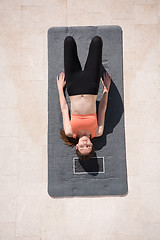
x=78, y=81
x=93, y=64
x=71, y=60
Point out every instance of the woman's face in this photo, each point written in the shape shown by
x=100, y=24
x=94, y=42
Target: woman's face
x=84, y=145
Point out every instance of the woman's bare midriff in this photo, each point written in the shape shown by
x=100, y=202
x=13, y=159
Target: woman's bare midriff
x=83, y=104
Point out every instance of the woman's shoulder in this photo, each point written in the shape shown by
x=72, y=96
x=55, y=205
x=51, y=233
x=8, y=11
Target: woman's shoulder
x=98, y=132
x=69, y=132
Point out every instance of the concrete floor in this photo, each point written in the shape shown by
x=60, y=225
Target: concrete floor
x=27, y=212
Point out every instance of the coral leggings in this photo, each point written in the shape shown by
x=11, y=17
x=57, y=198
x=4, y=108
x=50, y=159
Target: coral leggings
x=86, y=81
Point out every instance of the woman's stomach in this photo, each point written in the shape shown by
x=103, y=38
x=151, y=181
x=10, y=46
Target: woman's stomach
x=83, y=104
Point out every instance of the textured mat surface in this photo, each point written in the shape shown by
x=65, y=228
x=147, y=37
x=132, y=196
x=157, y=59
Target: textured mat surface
x=94, y=180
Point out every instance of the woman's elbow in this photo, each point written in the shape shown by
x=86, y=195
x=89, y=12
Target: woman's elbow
x=68, y=132
x=99, y=132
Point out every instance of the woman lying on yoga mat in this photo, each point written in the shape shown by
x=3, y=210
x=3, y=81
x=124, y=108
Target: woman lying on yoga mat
x=82, y=88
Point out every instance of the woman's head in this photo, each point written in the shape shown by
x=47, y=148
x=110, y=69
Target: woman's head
x=84, y=148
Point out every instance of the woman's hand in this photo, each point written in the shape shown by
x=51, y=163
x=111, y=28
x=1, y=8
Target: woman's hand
x=61, y=82
x=107, y=81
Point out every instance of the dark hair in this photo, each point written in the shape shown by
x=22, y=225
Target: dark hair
x=71, y=142
x=85, y=157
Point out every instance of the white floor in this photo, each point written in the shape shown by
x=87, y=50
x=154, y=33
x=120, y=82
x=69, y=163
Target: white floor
x=27, y=212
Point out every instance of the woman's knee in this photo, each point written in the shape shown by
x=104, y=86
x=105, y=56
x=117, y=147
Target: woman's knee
x=97, y=39
x=69, y=39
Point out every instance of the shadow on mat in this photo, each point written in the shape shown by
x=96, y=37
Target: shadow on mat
x=91, y=166
x=113, y=115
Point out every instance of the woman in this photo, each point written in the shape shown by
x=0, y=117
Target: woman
x=82, y=87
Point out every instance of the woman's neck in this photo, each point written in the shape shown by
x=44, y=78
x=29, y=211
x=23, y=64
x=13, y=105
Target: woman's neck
x=84, y=132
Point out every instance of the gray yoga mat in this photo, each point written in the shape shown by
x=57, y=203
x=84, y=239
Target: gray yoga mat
x=106, y=173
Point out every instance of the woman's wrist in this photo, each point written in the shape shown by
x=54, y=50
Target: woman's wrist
x=105, y=90
x=60, y=89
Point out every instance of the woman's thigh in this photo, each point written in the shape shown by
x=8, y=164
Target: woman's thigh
x=94, y=59
x=82, y=83
x=71, y=60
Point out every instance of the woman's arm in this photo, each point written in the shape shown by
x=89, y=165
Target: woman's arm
x=101, y=113
x=64, y=107
x=103, y=104
x=62, y=100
